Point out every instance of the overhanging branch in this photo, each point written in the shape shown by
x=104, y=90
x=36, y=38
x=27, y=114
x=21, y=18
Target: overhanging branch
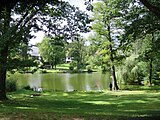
x=151, y=8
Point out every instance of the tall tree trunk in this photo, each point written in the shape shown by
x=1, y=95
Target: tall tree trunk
x=114, y=80
x=151, y=63
x=55, y=63
x=78, y=65
x=55, y=66
x=4, y=53
x=150, y=72
x=3, y=71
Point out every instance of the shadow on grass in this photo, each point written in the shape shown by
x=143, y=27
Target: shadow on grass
x=92, y=106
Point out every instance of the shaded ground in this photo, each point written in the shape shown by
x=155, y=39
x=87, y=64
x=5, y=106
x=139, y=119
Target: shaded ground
x=120, y=105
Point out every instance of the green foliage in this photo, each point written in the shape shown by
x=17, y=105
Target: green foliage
x=107, y=29
x=148, y=54
x=105, y=68
x=34, y=69
x=19, y=58
x=27, y=87
x=52, y=50
x=156, y=82
x=140, y=41
x=71, y=67
x=77, y=51
x=11, y=84
x=89, y=69
x=131, y=71
x=42, y=71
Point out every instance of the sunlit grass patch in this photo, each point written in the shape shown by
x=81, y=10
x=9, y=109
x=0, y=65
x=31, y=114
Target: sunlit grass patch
x=83, y=105
x=26, y=108
x=98, y=102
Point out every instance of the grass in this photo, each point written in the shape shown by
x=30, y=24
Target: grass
x=59, y=68
x=63, y=68
x=108, y=105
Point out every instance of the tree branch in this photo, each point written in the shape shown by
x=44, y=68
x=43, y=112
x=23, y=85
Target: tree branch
x=151, y=8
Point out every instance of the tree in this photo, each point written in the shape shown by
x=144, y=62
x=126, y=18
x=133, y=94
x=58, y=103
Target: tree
x=93, y=58
x=18, y=18
x=106, y=20
x=152, y=5
x=150, y=53
x=52, y=50
x=77, y=52
x=13, y=31
x=20, y=59
x=141, y=61
x=148, y=25
x=78, y=22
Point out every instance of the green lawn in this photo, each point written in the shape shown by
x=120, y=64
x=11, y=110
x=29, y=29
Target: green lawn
x=120, y=105
x=59, y=68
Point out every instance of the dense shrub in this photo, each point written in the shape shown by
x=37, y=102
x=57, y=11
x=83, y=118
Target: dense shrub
x=33, y=70
x=43, y=71
x=104, y=68
x=155, y=82
x=27, y=87
x=71, y=67
x=11, y=85
x=89, y=69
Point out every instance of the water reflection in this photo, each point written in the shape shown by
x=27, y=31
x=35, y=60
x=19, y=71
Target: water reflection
x=87, y=86
x=67, y=85
x=98, y=85
x=35, y=81
x=65, y=81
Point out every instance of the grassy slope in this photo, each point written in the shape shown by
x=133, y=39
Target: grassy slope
x=65, y=68
x=136, y=104
x=60, y=68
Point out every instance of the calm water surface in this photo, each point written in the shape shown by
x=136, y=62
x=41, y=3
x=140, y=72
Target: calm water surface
x=65, y=81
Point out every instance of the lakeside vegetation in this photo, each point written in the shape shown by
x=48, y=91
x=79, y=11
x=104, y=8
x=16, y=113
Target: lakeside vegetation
x=138, y=103
x=61, y=68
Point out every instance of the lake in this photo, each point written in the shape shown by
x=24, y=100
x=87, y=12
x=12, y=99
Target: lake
x=65, y=81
